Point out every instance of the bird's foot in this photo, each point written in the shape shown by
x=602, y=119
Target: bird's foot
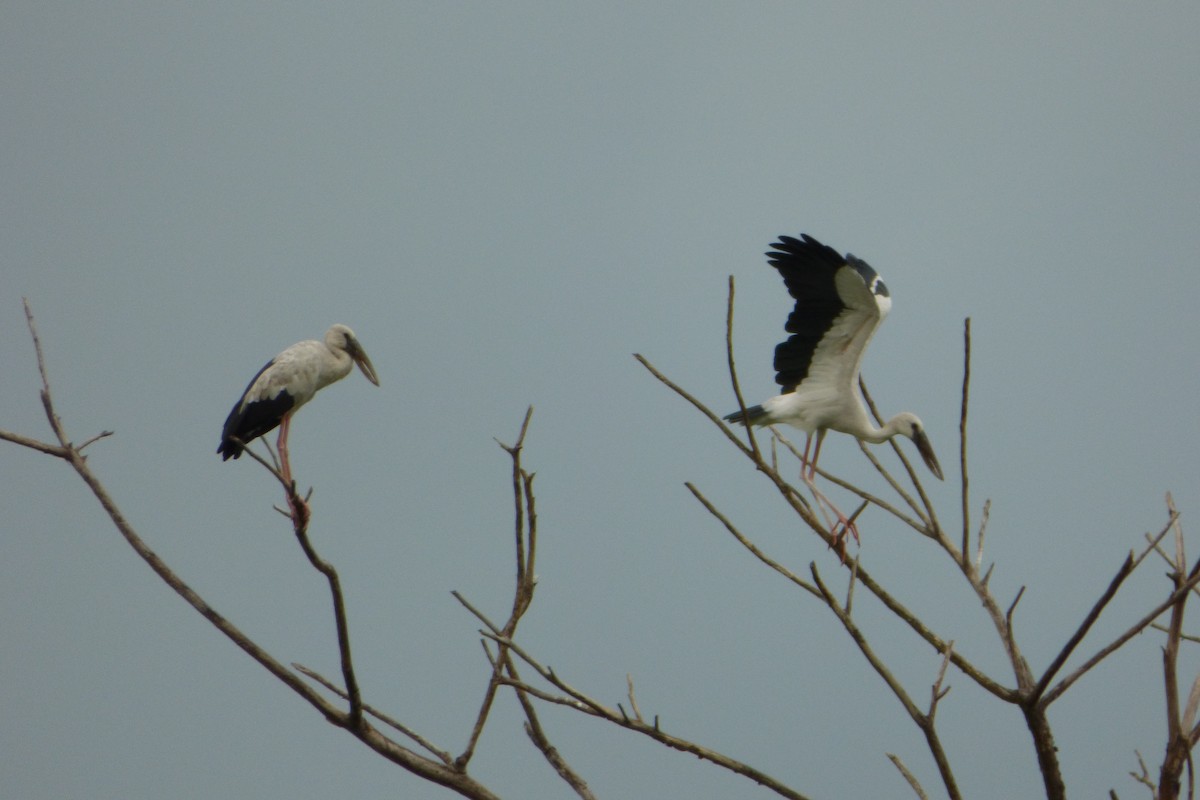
x=299, y=508
x=839, y=529
x=843, y=526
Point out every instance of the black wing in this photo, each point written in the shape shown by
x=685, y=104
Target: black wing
x=808, y=269
x=810, y=272
x=248, y=421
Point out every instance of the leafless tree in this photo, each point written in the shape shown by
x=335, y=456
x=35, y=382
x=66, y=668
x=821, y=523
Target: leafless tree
x=512, y=667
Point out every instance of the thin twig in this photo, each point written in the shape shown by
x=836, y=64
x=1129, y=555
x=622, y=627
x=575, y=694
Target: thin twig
x=1133, y=630
x=703, y=409
x=1183, y=637
x=1008, y=618
x=860, y=639
x=1127, y=568
x=936, y=692
x=391, y=722
x=33, y=444
x=1089, y=619
x=1178, y=749
x=633, y=704
x=525, y=543
x=790, y=493
x=300, y=527
x=749, y=545
x=96, y=438
x=908, y=776
x=962, y=449
x=537, y=735
x=1143, y=777
x=850, y=584
x=549, y=697
x=733, y=378
x=913, y=478
x=504, y=671
x=983, y=521
x=886, y=474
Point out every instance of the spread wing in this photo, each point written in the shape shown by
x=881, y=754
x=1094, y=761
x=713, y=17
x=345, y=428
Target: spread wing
x=840, y=301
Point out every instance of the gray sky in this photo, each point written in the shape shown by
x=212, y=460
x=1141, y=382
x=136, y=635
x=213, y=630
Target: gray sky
x=505, y=201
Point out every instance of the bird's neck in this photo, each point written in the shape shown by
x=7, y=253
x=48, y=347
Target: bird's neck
x=879, y=435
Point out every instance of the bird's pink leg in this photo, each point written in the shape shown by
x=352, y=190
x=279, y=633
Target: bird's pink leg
x=299, y=507
x=808, y=474
x=285, y=466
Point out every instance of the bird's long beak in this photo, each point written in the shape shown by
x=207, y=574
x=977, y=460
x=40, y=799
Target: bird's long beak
x=922, y=442
x=364, y=364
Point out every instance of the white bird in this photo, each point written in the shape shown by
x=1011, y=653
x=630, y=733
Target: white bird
x=288, y=381
x=840, y=301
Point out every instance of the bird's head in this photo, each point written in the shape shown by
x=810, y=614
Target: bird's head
x=340, y=337
x=909, y=424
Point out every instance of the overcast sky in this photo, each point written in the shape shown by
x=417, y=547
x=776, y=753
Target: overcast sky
x=505, y=201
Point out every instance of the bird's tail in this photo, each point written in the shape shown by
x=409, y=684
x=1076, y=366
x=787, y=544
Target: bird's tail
x=755, y=415
x=229, y=449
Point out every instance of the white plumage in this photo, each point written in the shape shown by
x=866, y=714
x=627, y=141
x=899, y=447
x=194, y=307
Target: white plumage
x=287, y=382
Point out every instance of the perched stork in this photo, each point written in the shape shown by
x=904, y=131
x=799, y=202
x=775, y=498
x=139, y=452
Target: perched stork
x=840, y=301
x=288, y=381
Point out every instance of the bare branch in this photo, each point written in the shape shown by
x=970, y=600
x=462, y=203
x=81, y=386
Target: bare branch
x=1123, y=572
x=525, y=546
x=391, y=722
x=1179, y=744
x=33, y=444
x=637, y=712
x=936, y=692
x=850, y=584
x=300, y=519
x=749, y=545
x=1010, y=639
x=504, y=671
x=733, y=378
x=271, y=466
x=1144, y=776
x=537, y=735
x=908, y=776
x=1104, y=652
x=1053, y=694
x=983, y=521
x=860, y=639
x=1183, y=637
x=1189, y=711
x=913, y=478
x=703, y=409
x=96, y=438
x=962, y=449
